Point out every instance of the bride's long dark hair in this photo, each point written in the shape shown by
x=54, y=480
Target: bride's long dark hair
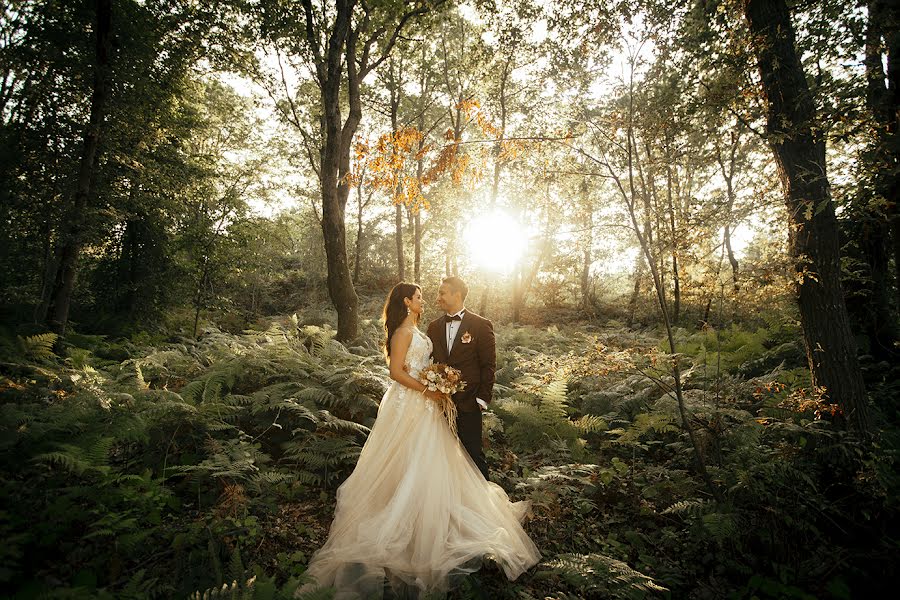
x=395, y=311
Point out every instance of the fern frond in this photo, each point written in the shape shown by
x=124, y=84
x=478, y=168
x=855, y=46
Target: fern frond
x=331, y=423
x=192, y=393
x=98, y=452
x=318, y=396
x=590, y=424
x=603, y=574
x=299, y=410
x=40, y=346
x=553, y=399
x=722, y=526
x=691, y=507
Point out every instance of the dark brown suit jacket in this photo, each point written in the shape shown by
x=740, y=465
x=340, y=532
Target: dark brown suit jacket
x=475, y=358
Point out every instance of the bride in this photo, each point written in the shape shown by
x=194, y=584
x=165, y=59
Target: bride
x=416, y=512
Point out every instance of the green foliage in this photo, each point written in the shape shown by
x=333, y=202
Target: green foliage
x=197, y=445
x=39, y=347
x=602, y=575
x=531, y=419
x=250, y=422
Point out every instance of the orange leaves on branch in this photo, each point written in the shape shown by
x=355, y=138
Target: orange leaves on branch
x=388, y=162
x=473, y=111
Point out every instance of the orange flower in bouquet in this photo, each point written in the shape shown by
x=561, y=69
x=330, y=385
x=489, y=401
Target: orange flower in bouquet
x=442, y=378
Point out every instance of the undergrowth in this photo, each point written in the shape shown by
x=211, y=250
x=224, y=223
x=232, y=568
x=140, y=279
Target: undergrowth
x=207, y=468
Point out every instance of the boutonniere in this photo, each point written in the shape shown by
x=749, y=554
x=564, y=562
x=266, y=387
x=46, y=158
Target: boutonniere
x=466, y=338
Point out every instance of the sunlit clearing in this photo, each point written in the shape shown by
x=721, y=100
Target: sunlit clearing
x=495, y=241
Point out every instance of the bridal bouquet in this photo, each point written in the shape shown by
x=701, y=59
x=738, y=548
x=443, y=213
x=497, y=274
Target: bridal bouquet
x=439, y=377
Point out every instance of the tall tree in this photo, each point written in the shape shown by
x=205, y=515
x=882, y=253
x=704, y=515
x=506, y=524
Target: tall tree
x=873, y=229
x=800, y=157
x=70, y=248
x=343, y=41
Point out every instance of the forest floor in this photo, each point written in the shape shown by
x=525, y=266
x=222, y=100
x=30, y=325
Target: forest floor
x=157, y=467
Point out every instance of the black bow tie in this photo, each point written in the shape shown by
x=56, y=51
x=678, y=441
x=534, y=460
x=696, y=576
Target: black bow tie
x=454, y=317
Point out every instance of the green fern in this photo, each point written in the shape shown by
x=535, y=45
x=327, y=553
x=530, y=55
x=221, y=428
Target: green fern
x=590, y=424
x=603, y=575
x=532, y=422
x=643, y=424
x=326, y=457
x=329, y=422
x=40, y=346
x=79, y=459
x=688, y=507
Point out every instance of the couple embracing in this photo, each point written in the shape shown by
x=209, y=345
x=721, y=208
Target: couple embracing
x=418, y=512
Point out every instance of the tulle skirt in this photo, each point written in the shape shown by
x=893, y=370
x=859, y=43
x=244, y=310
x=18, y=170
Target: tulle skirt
x=416, y=513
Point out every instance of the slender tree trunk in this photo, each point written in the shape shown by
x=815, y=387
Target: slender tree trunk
x=131, y=258
x=394, y=84
x=586, y=279
x=524, y=283
x=646, y=245
x=398, y=240
x=73, y=231
x=676, y=280
x=587, y=243
x=359, y=232
x=728, y=176
x=417, y=230
x=417, y=247
x=800, y=157
x=48, y=276
x=732, y=260
x=198, y=295
x=636, y=290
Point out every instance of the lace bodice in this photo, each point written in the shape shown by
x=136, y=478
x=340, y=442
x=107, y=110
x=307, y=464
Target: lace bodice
x=419, y=354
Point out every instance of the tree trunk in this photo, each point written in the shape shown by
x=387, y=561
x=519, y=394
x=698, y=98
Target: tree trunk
x=335, y=165
x=394, y=84
x=126, y=301
x=587, y=247
x=731, y=258
x=48, y=276
x=813, y=242
x=359, y=232
x=676, y=280
x=73, y=232
x=728, y=176
x=522, y=285
x=417, y=231
x=636, y=291
x=198, y=296
x=873, y=236
x=417, y=247
x=398, y=239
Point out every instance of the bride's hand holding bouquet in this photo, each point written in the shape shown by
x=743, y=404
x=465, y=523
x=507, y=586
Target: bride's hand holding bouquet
x=441, y=382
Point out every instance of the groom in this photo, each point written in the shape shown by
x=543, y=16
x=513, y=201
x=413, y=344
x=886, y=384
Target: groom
x=465, y=341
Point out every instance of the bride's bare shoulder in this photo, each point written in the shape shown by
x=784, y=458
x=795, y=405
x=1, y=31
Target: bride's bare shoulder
x=403, y=333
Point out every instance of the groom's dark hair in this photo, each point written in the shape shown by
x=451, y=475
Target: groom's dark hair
x=457, y=285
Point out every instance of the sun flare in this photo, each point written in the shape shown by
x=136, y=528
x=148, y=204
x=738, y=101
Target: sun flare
x=495, y=241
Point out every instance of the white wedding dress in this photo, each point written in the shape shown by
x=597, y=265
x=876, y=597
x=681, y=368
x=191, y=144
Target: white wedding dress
x=416, y=512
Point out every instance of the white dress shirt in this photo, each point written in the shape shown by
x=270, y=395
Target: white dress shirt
x=452, y=328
